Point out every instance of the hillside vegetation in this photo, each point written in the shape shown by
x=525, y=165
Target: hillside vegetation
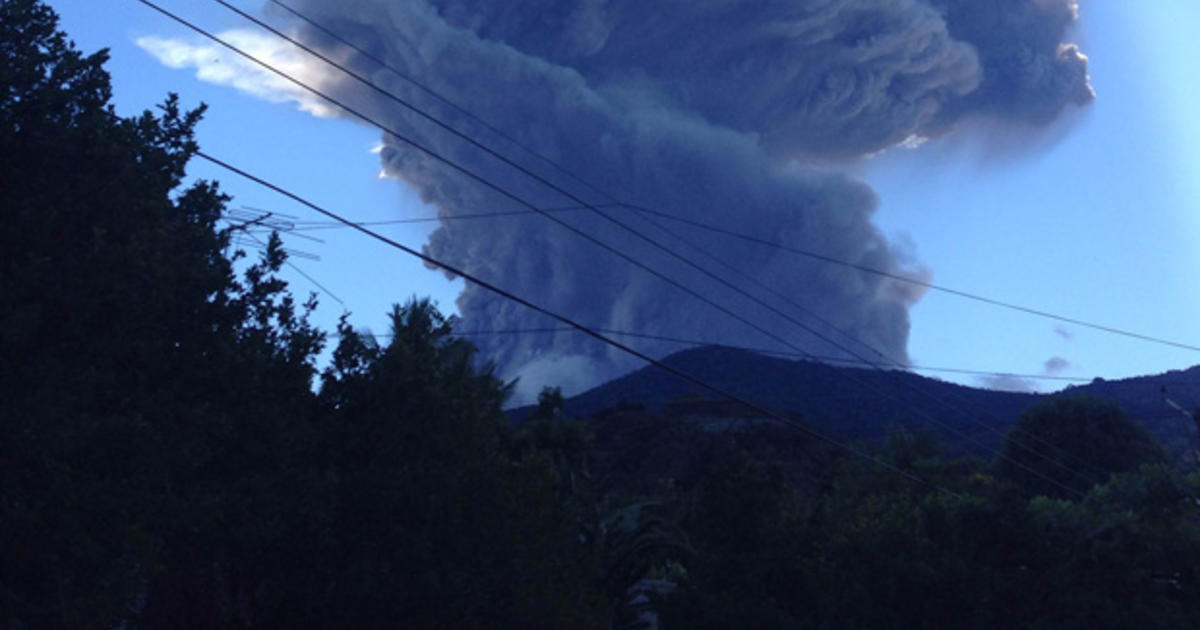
x=173, y=457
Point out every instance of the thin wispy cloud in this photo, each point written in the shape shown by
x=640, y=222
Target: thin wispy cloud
x=219, y=66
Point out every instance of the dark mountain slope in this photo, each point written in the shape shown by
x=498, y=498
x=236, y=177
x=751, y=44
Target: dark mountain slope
x=1142, y=398
x=855, y=403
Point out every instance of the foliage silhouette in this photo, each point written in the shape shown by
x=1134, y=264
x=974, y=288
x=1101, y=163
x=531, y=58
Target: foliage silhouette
x=169, y=458
x=1074, y=441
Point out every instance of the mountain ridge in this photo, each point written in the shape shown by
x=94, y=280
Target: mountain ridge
x=853, y=403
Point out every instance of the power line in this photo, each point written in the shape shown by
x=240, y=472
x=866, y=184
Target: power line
x=508, y=194
x=300, y=271
x=508, y=161
x=904, y=366
x=323, y=225
x=594, y=208
x=767, y=351
x=816, y=357
x=917, y=281
x=512, y=196
x=366, y=54
x=1146, y=382
x=546, y=183
x=538, y=178
x=1014, y=430
x=473, y=176
x=1009, y=437
x=253, y=217
x=326, y=225
x=815, y=255
x=800, y=252
x=561, y=169
x=541, y=180
x=573, y=324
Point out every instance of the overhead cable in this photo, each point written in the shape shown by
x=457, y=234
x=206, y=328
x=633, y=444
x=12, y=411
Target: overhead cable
x=775, y=416
x=512, y=196
x=545, y=182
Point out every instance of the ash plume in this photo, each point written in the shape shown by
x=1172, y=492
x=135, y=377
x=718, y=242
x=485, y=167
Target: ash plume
x=736, y=113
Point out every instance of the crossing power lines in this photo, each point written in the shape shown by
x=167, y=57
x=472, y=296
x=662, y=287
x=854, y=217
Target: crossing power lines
x=504, y=192
x=544, y=311
x=613, y=203
x=767, y=413
x=595, y=209
x=508, y=194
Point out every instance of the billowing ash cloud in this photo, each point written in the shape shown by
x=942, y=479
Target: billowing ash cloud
x=731, y=112
x=1029, y=73
x=809, y=78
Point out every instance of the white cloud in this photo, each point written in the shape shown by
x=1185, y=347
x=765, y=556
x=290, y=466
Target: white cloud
x=221, y=66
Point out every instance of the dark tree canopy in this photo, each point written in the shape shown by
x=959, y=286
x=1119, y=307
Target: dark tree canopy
x=172, y=458
x=140, y=377
x=433, y=521
x=164, y=459
x=1076, y=442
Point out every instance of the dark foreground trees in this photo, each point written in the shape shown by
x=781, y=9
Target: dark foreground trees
x=164, y=460
x=134, y=364
x=1067, y=444
x=875, y=553
x=168, y=458
x=393, y=503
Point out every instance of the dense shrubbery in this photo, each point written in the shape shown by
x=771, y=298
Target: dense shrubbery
x=874, y=553
x=170, y=457
x=164, y=459
x=1067, y=444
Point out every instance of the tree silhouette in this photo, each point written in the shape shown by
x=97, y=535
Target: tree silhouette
x=1075, y=442
x=143, y=382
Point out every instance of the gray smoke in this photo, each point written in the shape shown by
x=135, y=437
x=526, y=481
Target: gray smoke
x=731, y=112
x=1029, y=74
x=1056, y=365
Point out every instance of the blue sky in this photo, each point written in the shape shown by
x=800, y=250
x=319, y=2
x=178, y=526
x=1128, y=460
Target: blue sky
x=328, y=161
x=1095, y=218
x=1098, y=222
